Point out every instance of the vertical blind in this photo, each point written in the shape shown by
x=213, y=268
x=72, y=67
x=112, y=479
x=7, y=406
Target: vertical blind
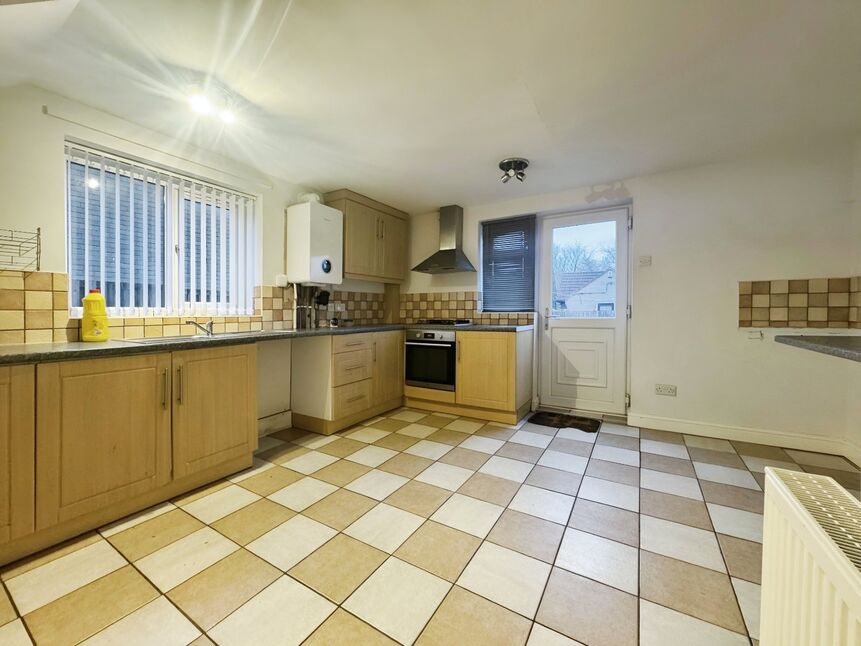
x=155, y=242
x=508, y=265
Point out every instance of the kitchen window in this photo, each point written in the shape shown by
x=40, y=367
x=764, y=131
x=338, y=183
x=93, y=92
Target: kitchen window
x=157, y=243
x=508, y=265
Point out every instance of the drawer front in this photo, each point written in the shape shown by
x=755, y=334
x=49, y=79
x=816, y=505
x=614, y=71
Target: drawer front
x=348, y=367
x=351, y=398
x=351, y=342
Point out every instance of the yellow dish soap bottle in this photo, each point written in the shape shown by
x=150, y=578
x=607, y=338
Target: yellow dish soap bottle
x=95, y=324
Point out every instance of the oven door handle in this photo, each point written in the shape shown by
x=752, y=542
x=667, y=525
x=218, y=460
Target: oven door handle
x=441, y=344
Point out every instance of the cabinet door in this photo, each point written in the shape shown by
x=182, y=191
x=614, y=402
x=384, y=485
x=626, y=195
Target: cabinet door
x=362, y=227
x=388, y=358
x=485, y=370
x=103, y=433
x=17, y=450
x=214, y=406
x=394, y=245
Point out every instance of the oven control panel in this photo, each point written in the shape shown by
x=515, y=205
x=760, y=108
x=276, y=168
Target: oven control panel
x=431, y=335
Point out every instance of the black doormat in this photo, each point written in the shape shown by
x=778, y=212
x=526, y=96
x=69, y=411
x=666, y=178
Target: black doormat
x=561, y=420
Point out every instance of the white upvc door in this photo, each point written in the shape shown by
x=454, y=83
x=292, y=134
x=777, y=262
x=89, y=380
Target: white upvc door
x=583, y=310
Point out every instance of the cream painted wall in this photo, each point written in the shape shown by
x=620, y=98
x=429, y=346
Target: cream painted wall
x=778, y=216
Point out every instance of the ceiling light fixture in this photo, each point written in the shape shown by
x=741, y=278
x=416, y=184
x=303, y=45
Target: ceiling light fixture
x=227, y=116
x=200, y=104
x=513, y=167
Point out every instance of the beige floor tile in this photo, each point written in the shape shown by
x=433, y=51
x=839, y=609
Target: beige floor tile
x=661, y=436
x=340, y=509
x=377, y=484
x=615, y=454
x=51, y=554
x=289, y=434
x=208, y=597
x=46, y=583
x=464, y=425
x=314, y=440
x=445, y=476
x=611, y=522
x=757, y=465
x=729, y=496
x=253, y=521
x=466, y=458
x=531, y=438
x=7, y=612
x=522, y=452
x=621, y=473
x=419, y=498
x=390, y=425
x=539, y=429
x=406, y=465
x=582, y=436
x=602, y=615
x=448, y=436
x=14, y=634
x=506, y=468
x=385, y=527
x=668, y=449
x=209, y=489
x=158, y=617
x=527, y=534
x=711, y=456
x=428, y=449
x=675, y=508
x=554, y=480
x=291, y=542
x=810, y=459
x=302, y=493
x=549, y=505
x=761, y=451
x=343, y=628
x=482, y=444
x=84, y=612
x=366, y=434
x=203, y=640
x=409, y=415
x=498, y=491
x=182, y=559
x=610, y=493
x=398, y=599
x=693, y=590
x=467, y=514
x=135, y=519
x=542, y=636
x=372, y=456
x=436, y=420
x=564, y=461
x=495, y=431
x=440, y=550
x=270, y=481
x=506, y=577
x=600, y=559
x=263, y=619
x=279, y=454
x=342, y=447
x=574, y=447
x=743, y=558
x=221, y=503
x=150, y=536
x=660, y=626
x=466, y=618
x=714, y=444
x=670, y=483
x=396, y=442
x=749, y=600
x=618, y=441
x=682, y=542
x=339, y=567
x=667, y=464
x=341, y=473
x=417, y=431
x=310, y=462
x=736, y=522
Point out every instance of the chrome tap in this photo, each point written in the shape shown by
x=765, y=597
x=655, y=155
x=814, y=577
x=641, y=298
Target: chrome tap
x=205, y=328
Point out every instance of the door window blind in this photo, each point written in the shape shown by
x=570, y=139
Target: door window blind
x=157, y=243
x=508, y=265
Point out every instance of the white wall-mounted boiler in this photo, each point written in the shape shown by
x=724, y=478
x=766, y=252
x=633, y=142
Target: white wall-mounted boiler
x=315, y=244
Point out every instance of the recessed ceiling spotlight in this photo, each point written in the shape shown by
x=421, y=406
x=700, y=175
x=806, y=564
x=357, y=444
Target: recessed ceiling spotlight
x=513, y=167
x=227, y=116
x=199, y=103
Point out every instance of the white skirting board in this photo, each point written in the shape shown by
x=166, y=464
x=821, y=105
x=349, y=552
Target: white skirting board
x=276, y=422
x=803, y=442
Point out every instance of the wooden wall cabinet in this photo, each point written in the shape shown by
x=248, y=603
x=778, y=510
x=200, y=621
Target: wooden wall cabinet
x=17, y=446
x=214, y=406
x=103, y=433
x=375, y=237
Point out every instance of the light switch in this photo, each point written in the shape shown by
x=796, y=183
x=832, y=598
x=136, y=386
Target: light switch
x=645, y=261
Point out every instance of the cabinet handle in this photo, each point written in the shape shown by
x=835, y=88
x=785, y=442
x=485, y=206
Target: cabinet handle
x=352, y=343
x=355, y=399
x=457, y=345
x=354, y=367
x=164, y=395
x=179, y=383
x=375, y=352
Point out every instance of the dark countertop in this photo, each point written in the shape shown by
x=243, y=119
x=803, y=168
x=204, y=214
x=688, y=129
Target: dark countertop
x=471, y=327
x=41, y=352
x=845, y=347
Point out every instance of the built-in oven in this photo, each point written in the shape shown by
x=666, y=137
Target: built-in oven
x=431, y=358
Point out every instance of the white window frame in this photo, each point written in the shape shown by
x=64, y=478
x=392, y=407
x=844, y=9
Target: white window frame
x=245, y=233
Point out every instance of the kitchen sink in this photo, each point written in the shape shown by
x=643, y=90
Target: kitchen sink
x=152, y=340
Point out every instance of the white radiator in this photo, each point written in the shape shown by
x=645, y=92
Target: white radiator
x=811, y=562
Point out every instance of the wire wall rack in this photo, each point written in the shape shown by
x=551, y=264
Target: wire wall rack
x=20, y=250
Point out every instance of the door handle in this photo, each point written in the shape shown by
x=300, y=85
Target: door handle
x=547, y=317
x=180, y=385
x=164, y=395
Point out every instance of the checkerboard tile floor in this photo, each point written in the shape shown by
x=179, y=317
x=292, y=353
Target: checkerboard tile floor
x=431, y=529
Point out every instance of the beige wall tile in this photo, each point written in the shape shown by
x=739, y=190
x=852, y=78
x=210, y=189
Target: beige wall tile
x=798, y=300
x=39, y=280
x=11, y=336
x=34, y=300
x=838, y=299
x=11, y=299
x=779, y=286
x=11, y=320
x=11, y=279
x=817, y=285
x=38, y=319
x=817, y=313
x=60, y=282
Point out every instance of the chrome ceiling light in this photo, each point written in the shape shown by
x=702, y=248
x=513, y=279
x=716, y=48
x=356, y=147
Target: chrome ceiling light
x=513, y=167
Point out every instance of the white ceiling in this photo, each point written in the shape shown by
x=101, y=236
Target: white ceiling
x=415, y=102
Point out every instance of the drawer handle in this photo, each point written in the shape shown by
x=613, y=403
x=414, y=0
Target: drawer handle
x=355, y=399
x=352, y=343
x=354, y=367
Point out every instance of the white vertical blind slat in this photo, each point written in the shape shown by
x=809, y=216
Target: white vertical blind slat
x=86, y=222
x=132, y=237
x=224, y=267
x=117, y=249
x=102, y=283
x=145, y=255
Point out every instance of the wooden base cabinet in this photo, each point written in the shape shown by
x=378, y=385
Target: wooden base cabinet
x=17, y=457
x=103, y=433
x=214, y=406
x=388, y=366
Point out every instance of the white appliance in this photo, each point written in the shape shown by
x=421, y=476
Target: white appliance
x=315, y=244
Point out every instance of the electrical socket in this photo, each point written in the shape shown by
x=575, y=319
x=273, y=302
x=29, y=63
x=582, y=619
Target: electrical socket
x=665, y=389
x=340, y=307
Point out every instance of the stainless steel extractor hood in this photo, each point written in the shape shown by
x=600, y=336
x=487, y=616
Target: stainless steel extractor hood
x=450, y=257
